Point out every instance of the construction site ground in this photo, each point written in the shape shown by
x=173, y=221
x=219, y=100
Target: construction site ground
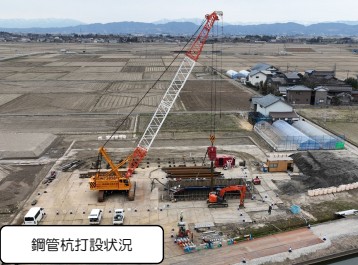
x=65, y=103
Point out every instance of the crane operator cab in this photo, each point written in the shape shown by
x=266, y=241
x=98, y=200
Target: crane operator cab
x=214, y=197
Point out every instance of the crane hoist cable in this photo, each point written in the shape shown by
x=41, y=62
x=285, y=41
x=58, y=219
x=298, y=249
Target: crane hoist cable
x=214, y=69
x=221, y=62
x=146, y=93
x=214, y=87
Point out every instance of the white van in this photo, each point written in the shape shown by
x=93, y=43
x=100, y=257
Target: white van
x=34, y=216
x=95, y=216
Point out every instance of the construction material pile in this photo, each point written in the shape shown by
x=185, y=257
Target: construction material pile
x=322, y=169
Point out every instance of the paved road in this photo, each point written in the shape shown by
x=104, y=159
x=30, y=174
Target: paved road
x=253, y=249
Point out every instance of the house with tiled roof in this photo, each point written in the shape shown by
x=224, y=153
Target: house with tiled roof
x=299, y=95
x=292, y=78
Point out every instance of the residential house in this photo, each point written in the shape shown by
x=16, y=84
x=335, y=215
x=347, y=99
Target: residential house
x=319, y=74
x=259, y=74
x=298, y=95
x=258, y=78
x=274, y=108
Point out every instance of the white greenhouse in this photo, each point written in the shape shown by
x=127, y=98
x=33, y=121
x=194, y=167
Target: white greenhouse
x=232, y=74
x=283, y=137
x=325, y=141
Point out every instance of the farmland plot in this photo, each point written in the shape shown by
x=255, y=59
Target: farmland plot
x=49, y=103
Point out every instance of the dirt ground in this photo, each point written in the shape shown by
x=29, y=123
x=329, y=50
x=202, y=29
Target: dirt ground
x=17, y=186
x=79, y=97
x=322, y=169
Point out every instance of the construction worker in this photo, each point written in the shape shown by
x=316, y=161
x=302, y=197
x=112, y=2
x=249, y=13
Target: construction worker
x=181, y=216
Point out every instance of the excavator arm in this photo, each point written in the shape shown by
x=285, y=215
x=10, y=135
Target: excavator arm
x=241, y=188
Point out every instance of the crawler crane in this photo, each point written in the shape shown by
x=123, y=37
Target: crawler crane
x=115, y=180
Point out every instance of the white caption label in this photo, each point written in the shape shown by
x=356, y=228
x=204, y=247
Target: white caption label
x=82, y=244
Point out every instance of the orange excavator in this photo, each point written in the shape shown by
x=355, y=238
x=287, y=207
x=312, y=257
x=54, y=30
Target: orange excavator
x=217, y=198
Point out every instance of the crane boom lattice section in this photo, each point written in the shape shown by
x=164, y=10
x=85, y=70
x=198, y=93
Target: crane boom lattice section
x=166, y=103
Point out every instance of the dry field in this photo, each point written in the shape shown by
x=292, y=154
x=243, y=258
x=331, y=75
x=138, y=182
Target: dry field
x=84, y=95
x=81, y=96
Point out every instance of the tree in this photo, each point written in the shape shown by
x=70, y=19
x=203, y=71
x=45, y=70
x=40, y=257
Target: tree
x=352, y=81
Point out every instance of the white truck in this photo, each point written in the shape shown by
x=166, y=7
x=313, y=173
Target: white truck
x=118, y=217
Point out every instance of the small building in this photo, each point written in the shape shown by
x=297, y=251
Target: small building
x=279, y=163
x=299, y=95
x=292, y=78
x=320, y=94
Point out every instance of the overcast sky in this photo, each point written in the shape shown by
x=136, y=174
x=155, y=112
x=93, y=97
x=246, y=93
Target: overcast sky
x=247, y=11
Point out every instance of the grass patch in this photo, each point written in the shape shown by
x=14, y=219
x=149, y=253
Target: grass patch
x=274, y=227
x=324, y=211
